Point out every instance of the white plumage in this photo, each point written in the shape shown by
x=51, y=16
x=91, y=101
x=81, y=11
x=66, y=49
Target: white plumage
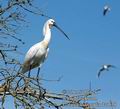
x=37, y=54
x=35, y=57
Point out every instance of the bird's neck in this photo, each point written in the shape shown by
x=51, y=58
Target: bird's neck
x=47, y=34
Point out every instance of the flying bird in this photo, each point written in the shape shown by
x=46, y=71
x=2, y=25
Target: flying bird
x=106, y=9
x=105, y=67
x=37, y=54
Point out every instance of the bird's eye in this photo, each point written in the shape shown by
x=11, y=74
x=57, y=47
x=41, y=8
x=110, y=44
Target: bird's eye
x=52, y=21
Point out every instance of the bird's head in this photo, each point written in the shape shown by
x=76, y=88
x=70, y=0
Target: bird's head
x=106, y=7
x=50, y=23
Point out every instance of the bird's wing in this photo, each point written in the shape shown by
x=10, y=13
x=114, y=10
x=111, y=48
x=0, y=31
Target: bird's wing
x=32, y=52
x=112, y=66
x=29, y=57
x=109, y=9
x=104, y=12
x=46, y=55
x=99, y=73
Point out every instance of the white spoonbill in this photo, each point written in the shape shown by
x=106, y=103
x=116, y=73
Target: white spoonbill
x=37, y=54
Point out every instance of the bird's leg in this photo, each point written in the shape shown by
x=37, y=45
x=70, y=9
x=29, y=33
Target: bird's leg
x=38, y=73
x=17, y=86
x=40, y=92
x=29, y=71
x=27, y=80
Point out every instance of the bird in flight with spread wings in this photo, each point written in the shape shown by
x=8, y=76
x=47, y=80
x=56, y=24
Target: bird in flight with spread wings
x=106, y=10
x=105, y=67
